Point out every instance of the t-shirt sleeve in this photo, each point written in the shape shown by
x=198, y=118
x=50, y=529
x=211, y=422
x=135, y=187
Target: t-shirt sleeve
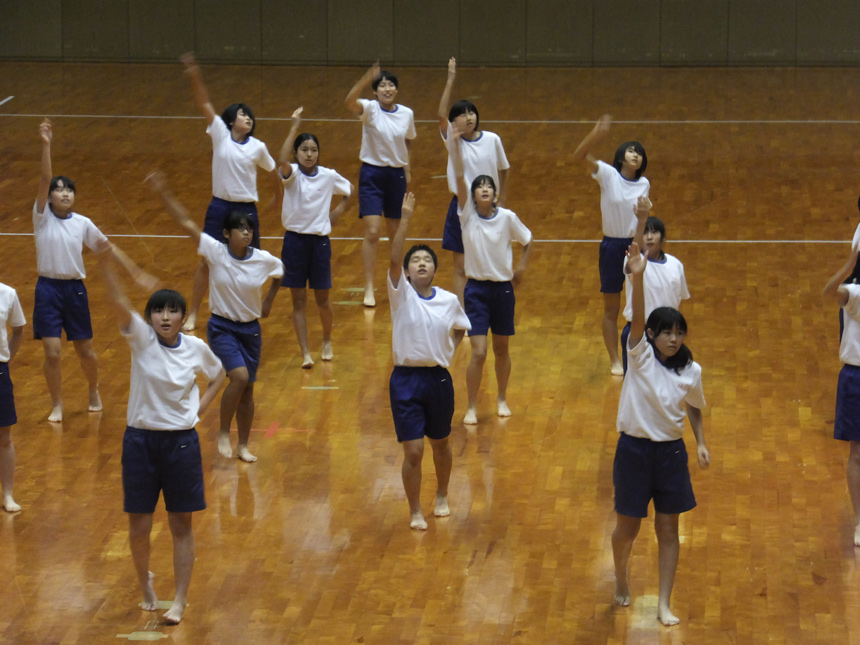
x=852, y=307
x=368, y=111
x=410, y=129
x=636, y=356
x=211, y=364
x=276, y=267
x=93, y=237
x=696, y=395
x=209, y=248
x=38, y=217
x=16, y=313
x=466, y=212
x=397, y=295
x=458, y=315
x=138, y=333
x=264, y=159
x=685, y=292
x=217, y=130
x=501, y=158
x=340, y=185
x=519, y=232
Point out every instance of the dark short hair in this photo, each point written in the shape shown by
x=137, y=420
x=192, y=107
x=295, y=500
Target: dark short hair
x=384, y=75
x=619, y=156
x=661, y=319
x=420, y=247
x=164, y=299
x=461, y=107
x=67, y=183
x=479, y=181
x=655, y=224
x=230, y=112
x=234, y=219
x=304, y=136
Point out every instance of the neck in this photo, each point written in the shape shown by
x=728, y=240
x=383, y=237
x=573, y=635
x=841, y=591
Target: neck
x=238, y=251
x=485, y=210
x=308, y=171
x=628, y=173
x=168, y=342
x=425, y=291
x=237, y=138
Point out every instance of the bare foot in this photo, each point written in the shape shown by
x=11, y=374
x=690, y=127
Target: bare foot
x=307, y=362
x=56, y=414
x=224, y=448
x=173, y=615
x=617, y=369
x=504, y=410
x=245, y=455
x=95, y=401
x=667, y=617
x=369, y=298
x=857, y=535
x=190, y=323
x=10, y=506
x=418, y=522
x=441, y=509
x=471, y=417
x=150, y=600
x=622, y=594
x=326, y=354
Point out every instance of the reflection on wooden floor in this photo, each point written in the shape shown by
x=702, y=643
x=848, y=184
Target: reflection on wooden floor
x=311, y=544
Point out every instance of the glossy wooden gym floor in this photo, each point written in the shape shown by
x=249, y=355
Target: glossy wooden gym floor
x=754, y=171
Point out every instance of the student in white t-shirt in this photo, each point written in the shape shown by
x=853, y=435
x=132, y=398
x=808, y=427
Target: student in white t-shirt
x=61, y=302
x=483, y=154
x=847, y=422
x=621, y=185
x=161, y=447
x=488, y=234
x=427, y=325
x=12, y=315
x=662, y=386
x=307, y=216
x=387, y=131
x=237, y=274
x=236, y=155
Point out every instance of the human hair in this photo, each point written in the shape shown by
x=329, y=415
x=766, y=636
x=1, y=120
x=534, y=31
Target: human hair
x=461, y=107
x=480, y=180
x=619, y=156
x=55, y=183
x=854, y=278
x=235, y=219
x=164, y=299
x=415, y=249
x=230, y=112
x=655, y=225
x=668, y=318
x=384, y=75
x=305, y=136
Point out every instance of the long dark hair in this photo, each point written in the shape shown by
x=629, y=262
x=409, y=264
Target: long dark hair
x=661, y=319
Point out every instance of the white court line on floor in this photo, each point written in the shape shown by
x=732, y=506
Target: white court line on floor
x=6, y=100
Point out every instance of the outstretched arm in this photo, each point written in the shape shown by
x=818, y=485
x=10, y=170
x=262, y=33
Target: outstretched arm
x=456, y=153
x=636, y=263
x=583, y=151
x=398, y=244
x=177, y=211
x=642, y=210
x=834, y=287
x=284, y=158
x=695, y=416
x=445, y=101
x=120, y=302
x=201, y=94
x=352, y=103
x=143, y=279
x=46, y=135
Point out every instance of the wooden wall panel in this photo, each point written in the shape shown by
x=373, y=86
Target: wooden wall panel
x=426, y=33
x=160, y=29
x=294, y=31
x=627, y=32
x=228, y=31
x=762, y=32
x=31, y=29
x=95, y=30
x=491, y=36
x=559, y=32
x=694, y=33
x=360, y=31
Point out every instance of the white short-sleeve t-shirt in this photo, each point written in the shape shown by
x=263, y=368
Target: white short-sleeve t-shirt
x=849, y=348
x=163, y=393
x=307, y=200
x=60, y=243
x=10, y=314
x=618, y=196
x=653, y=396
x=384, y=134
x=483, y=156
x=235, y=285
x=234, y=165
x=421, y=327
x=487, y=242
x=665, y=285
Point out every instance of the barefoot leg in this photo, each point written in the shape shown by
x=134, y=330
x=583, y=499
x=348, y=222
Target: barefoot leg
x=474, y=373
x=459, y=274
x=244, y=421
x=503, y=372
x=611, y=309
x=668, y=547
x=327, y=319
x=229, y=404
x=852, y=471
x=90, y=364
x=183, y=563
x=300, y=324
x=413, y=453
x=626, y=530
x=7, y=469
x=442, y=460
x=53, y=376
x=139, y=528
x=372, y=226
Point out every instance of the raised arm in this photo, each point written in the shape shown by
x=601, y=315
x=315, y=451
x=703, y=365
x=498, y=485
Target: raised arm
x=287, y=148
x=636, y=263
x=834, y=287
x=398, y=244
x=445, y=101
x=600, y=130
x=46, y=135
x=343, y=206
x=121, y=305
x=177, y=211
x=695, y=417
x=456, y=153
x=201, y=94
x=352, y=103
x=642, y=209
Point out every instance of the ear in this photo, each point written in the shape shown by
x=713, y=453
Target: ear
x=226, y=233
x=650, y=333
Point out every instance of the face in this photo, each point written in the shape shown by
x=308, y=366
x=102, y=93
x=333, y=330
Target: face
x=467, y=122
x=307, y=154
x=653, y=242
x=421, y=268
x=632, y=159
x=243, y=124
x=385, y=92
x=668, y=341
x=62, y=198
x=239, y=237
x=167, y=322
x=484, y=194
